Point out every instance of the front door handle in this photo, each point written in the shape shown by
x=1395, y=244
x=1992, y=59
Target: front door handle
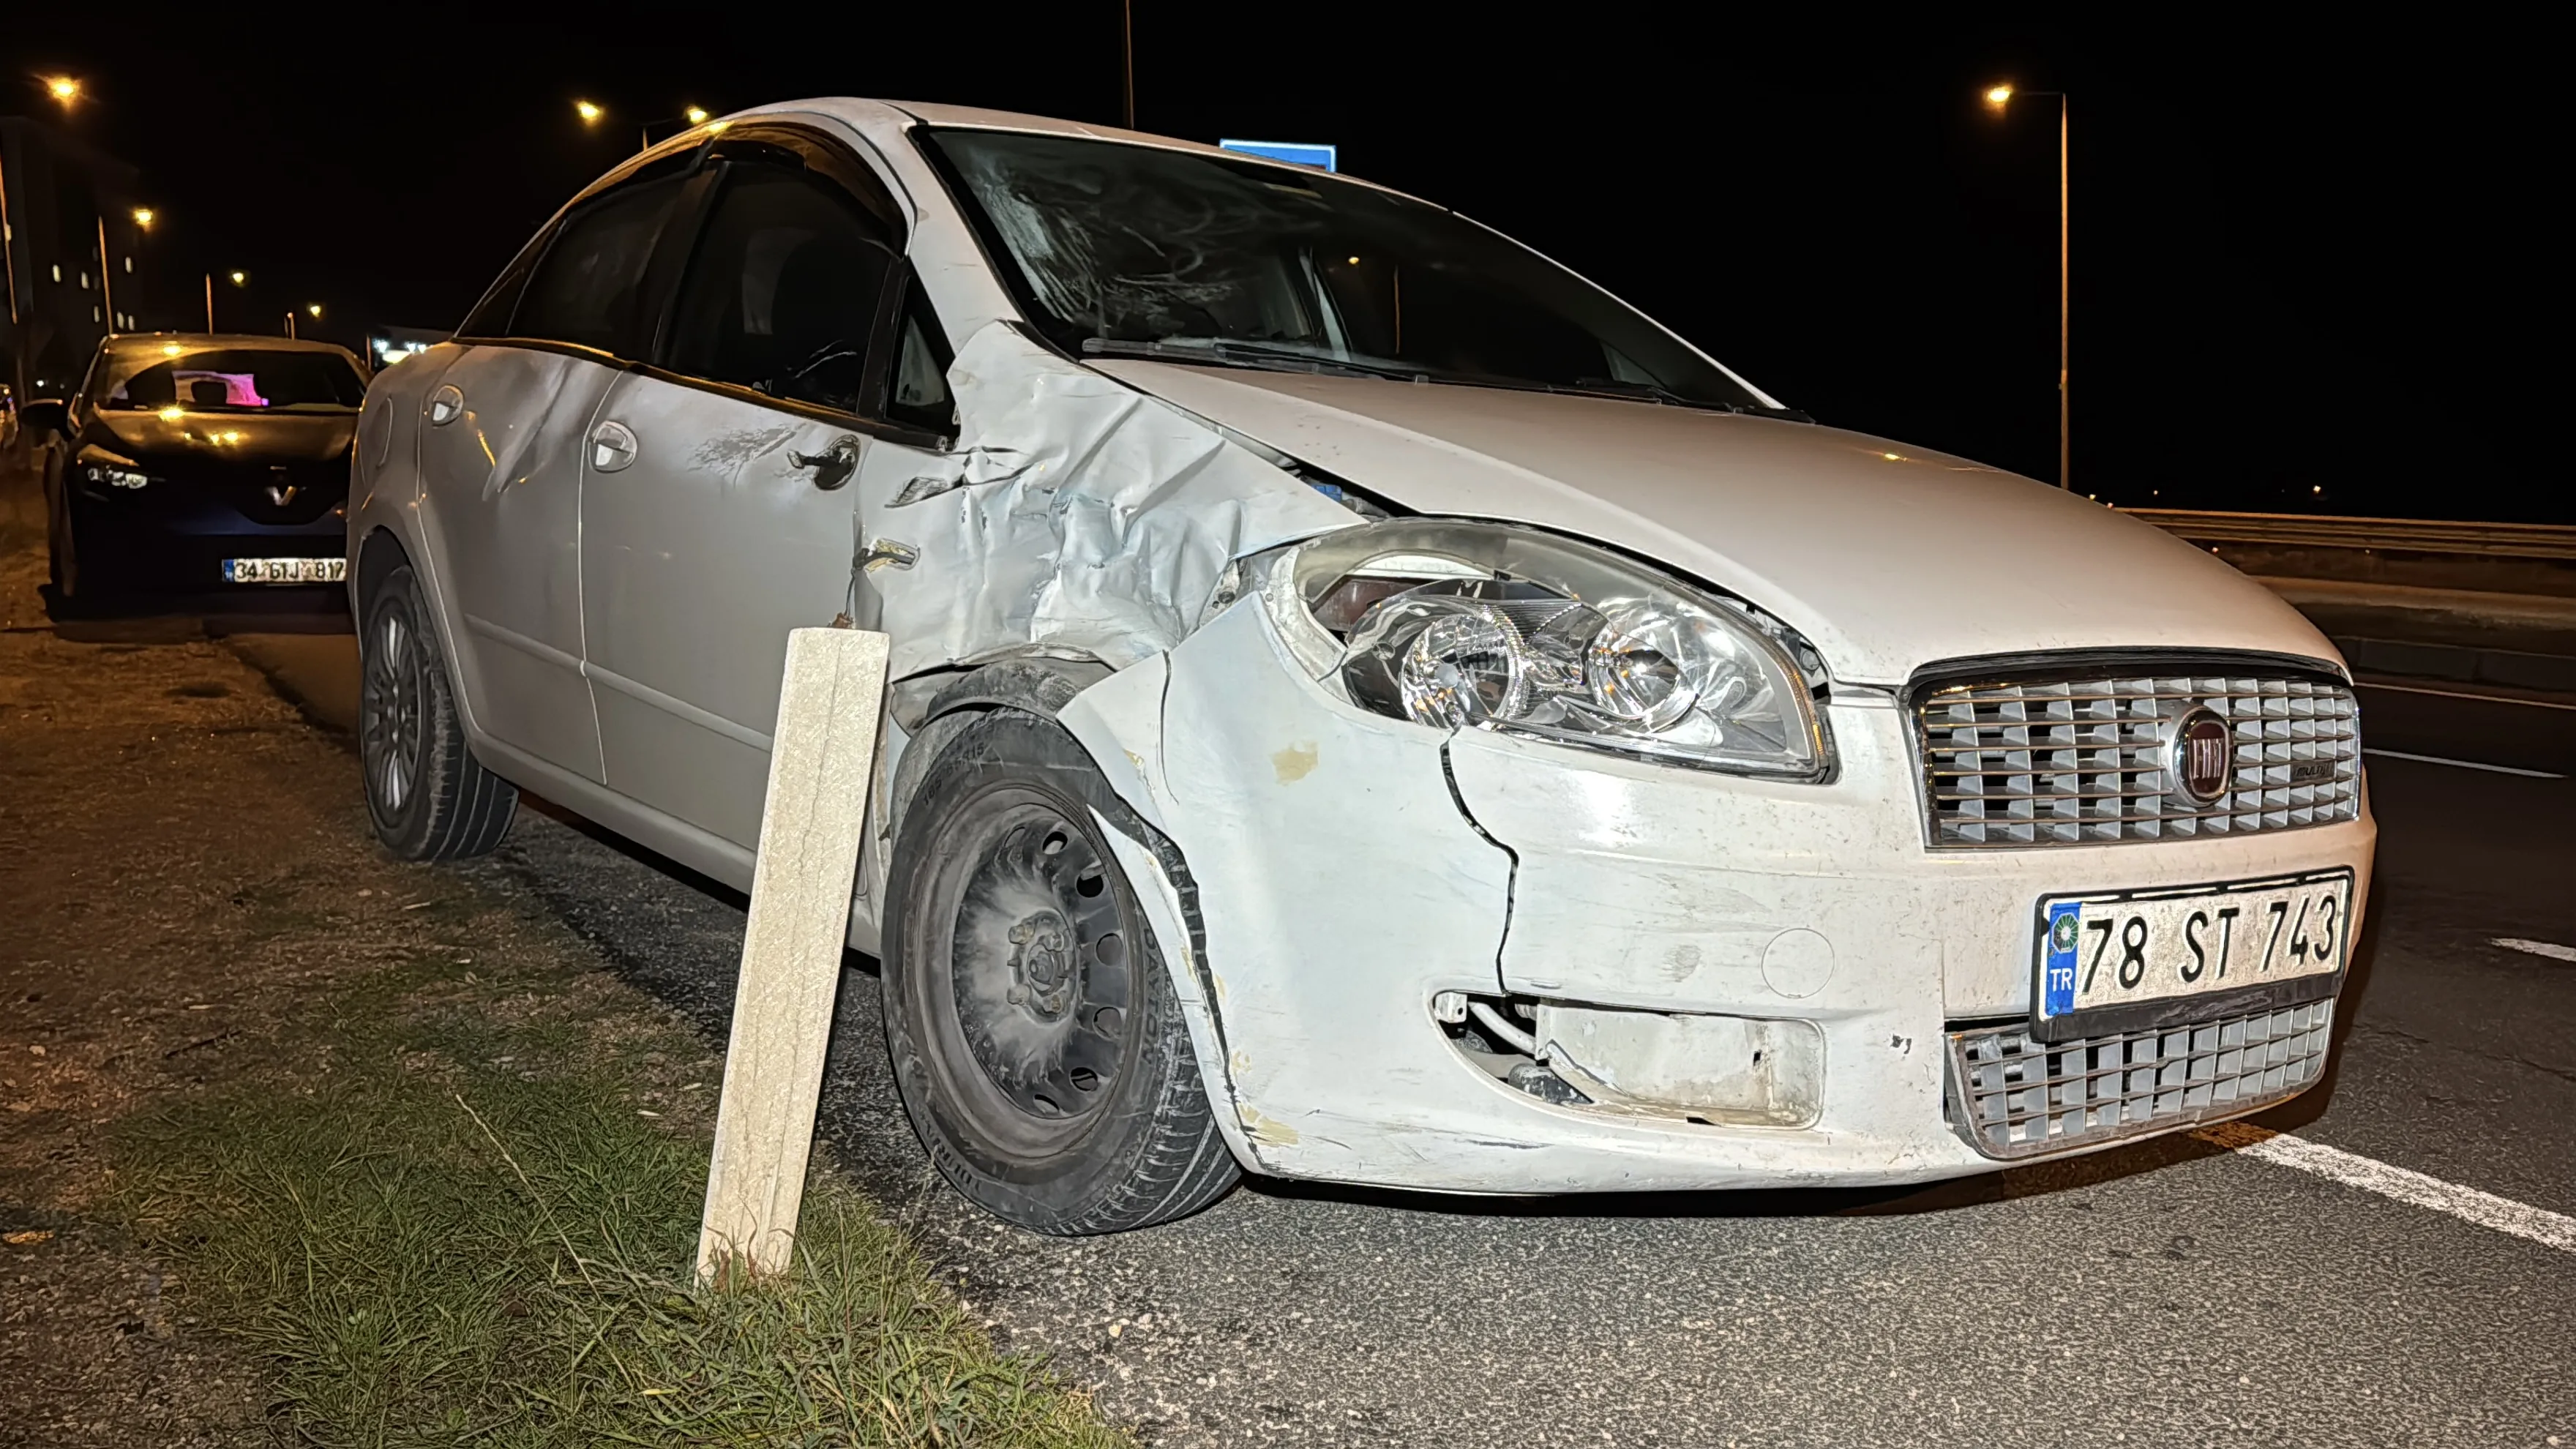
x=612, y=446
x=832, y=466
x=445, y=405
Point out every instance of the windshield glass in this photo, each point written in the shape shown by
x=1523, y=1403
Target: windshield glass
x=1130, y=250
x=233, y=379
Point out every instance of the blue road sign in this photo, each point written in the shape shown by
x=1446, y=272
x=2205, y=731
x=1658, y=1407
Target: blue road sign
x=1321, y=158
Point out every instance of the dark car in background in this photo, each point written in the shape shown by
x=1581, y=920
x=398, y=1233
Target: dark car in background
x=199, y=462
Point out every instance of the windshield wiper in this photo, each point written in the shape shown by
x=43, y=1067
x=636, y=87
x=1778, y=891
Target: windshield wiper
x=1240, y=353
x=1657, y=392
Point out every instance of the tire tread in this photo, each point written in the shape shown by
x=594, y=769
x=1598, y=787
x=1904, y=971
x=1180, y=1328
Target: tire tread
x=460, y=809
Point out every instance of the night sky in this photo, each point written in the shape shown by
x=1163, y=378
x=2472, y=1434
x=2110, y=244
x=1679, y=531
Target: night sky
x=2304, y=258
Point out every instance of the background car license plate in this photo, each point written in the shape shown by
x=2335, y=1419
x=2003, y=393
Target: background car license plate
x=2112, y=950
x=285, y=570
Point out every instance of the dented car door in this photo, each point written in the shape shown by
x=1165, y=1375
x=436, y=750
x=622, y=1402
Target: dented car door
x=723, y=516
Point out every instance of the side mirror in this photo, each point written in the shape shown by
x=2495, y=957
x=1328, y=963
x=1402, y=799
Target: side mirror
x=45, y=415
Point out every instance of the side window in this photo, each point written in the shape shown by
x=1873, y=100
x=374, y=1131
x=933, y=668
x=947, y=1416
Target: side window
x=491, y=316
x=588, y=289
x=781, y=295
x=917, y=385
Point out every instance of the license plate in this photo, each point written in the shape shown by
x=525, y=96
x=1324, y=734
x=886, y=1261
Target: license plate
x=2119, y=949
x=285, y=570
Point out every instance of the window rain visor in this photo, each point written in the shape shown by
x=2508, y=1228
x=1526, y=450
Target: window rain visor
x=1119, y=249
x=1463, y=625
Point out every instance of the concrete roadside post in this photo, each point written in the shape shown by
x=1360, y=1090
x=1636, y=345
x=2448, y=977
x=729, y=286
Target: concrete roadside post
x=821, y=760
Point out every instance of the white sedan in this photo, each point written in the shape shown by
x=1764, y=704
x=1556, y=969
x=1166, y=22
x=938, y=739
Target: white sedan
x=1368, y=705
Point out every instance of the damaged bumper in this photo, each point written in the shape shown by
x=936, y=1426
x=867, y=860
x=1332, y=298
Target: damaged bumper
x=1744, y=982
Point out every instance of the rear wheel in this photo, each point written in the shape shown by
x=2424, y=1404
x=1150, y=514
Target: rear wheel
x=430, y=799
x=1036, y=1041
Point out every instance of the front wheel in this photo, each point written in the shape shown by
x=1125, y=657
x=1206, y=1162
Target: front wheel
x=429, y=797
x=1035, y=1038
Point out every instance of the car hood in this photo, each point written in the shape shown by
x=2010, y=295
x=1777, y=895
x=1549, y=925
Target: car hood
x=225, y=437
x=1886, y=557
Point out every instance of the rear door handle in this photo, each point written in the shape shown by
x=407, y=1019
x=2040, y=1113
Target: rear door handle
x=832, y=466
x=612, y=446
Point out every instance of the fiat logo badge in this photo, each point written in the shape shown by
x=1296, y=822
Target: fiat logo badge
x=2202, y=756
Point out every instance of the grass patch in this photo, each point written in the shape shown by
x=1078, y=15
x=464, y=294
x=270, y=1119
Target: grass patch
x=442, y=1220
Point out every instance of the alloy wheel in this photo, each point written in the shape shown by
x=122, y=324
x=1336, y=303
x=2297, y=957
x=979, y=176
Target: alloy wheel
x=390, y=716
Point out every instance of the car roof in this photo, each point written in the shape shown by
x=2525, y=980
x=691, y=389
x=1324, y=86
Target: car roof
x=932, y=113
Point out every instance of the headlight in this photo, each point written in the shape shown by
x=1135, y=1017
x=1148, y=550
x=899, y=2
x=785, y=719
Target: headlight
x=104, y=469
x=107, y=475
x=1484, y=626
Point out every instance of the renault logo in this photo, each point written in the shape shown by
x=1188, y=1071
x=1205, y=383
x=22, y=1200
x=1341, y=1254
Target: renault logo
x=2201, y=756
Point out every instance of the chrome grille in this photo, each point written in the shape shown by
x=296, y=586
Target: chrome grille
x=2060, y=760
x=2013, y=1096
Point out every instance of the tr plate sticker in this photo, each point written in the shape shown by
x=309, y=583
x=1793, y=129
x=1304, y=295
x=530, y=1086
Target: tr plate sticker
x=2065, y=925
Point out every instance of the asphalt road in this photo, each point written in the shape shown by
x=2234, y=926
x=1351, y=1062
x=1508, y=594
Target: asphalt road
x=2172, y=1293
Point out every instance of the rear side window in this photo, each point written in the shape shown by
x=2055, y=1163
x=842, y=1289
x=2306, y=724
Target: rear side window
x=589, y=288
x=783, y=290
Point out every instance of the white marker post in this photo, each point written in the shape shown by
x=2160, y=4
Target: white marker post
x=820, y=764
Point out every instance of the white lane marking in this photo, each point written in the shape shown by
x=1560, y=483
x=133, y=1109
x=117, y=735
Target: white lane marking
x=2465, y=764
x=2549, y=1229
x=2456, y=694
x=2536, y=948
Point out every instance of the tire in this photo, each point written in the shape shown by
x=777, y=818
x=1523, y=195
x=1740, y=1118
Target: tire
x=62, y=566
x=1036, y=1042
x=428, y=796
x=62, y=547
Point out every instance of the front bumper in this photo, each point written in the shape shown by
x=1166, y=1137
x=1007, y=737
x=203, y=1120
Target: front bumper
x=1349, y=868
x=153, y=538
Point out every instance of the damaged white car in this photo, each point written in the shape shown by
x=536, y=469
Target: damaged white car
x=1368, y=705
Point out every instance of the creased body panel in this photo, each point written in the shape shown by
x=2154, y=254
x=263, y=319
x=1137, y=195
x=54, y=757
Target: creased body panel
x=1340, y=888
x=501, y=486
x=1075, y=514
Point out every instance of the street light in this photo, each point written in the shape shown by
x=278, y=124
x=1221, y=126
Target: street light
x=2000, y=97
x=589, y=113
x=240, y=277
x=63, y=88
x=143, y=217
x=695, y=115
x=314, y=310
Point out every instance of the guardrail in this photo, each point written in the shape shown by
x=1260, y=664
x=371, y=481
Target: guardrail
x=2300, y=530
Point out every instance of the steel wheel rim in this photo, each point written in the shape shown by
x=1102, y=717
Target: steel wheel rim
x=1041, y=981
x=390, y=723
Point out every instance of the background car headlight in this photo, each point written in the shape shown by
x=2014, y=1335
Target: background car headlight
x=103, y=469
x=108, y=475
x=1484, y=626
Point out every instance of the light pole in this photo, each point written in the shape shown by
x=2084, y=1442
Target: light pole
x=106, y=293
x=1127, y=58
x=1999, y=97
x=238, y=279
x=688, y=116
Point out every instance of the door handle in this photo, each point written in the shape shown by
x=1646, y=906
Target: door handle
x=445, y=405
x=612, y=446
x=832, y=466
